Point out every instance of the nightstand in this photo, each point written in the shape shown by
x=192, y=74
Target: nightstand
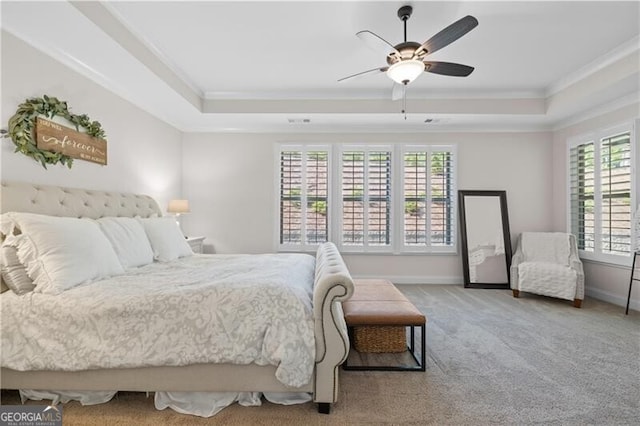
x=196, y=243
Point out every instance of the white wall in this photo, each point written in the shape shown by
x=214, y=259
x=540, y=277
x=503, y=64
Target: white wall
x=230, y=181
x=144, y=153
x=606, y=282
x=229, y=178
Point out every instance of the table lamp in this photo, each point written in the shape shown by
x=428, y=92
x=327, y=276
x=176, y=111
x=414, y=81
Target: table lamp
x=178, y=207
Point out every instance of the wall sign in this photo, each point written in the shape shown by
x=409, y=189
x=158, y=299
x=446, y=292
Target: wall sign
x=51, y=143
x=53, y=137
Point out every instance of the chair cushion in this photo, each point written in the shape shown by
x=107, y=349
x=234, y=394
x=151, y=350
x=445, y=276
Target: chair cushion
x=549, y=279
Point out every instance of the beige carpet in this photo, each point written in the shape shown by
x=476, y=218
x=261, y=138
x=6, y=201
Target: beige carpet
x=491, y=359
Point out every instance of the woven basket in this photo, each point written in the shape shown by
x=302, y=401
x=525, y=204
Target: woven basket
x=377, y=339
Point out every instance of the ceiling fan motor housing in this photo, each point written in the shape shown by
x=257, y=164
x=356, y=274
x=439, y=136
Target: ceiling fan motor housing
x=407, y=50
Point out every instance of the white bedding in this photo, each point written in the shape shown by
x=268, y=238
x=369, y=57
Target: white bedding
x=198, y=309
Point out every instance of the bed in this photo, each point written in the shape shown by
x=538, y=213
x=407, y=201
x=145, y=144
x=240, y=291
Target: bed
x=330, y=284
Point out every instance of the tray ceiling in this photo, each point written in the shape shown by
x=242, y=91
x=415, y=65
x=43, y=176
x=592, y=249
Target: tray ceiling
x=253, y=66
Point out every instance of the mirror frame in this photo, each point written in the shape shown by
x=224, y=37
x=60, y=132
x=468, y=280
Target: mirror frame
x=502, y=195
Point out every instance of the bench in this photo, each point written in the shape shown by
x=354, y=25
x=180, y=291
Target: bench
x=378, y=303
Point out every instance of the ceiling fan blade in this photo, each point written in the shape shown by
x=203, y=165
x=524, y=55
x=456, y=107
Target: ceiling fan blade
x=448, y=35
x=377, y=43
x=397, y=91
x=379, y=69
x=448, y=68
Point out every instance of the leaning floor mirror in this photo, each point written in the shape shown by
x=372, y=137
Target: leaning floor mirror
x=485, y=238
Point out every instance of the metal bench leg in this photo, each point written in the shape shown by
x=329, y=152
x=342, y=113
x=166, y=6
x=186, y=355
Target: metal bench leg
x=413, y=340
x=345, y=364
x=424, y=347
x=633, y=270
x=420, y=364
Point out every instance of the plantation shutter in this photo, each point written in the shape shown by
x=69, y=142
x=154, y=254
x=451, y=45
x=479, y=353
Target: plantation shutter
x=428, y=189
x=582, y=186
x=366, y=197
x=291, y=197
x=615, y=178
x=304, y=190
x=415, y=198
x=317, y=179
x=441, y=223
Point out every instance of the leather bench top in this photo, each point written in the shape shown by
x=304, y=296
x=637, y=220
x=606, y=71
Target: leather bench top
x=379, y=302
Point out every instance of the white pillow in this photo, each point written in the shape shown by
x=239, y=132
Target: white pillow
x=166, y=239
x=7, y=224
x=128, y=239
x=13, y=271
x=62, y=252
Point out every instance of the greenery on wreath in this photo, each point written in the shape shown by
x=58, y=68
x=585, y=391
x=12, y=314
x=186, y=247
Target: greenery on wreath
x=22, y=124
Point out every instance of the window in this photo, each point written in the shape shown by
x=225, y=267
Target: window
x=375, y=184
x=601, y=187
x=429, y=195
x=366, y=197
x=304, y=191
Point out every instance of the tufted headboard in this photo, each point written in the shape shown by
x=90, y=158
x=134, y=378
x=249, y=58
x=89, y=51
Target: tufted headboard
x=73, y=202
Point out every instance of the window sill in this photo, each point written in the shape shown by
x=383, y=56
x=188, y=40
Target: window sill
x=344, y=252
x=403, y=253
x=617, y=264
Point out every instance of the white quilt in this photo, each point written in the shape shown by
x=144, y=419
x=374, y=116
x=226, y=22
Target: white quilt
x=199, y=309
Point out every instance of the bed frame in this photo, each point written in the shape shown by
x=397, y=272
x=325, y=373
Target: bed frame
x=333, y=284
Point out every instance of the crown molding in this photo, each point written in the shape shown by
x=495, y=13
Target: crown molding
x=371, y=94
x=104, y=17
x=598, y=64
x=153, y=48
x=83, y=69
x=364, y=128
x=633, y=98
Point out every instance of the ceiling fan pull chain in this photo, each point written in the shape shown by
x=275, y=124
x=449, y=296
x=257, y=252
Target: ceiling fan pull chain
x=404, y=100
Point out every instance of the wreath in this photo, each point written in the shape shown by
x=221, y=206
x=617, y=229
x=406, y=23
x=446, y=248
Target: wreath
x=22, y=123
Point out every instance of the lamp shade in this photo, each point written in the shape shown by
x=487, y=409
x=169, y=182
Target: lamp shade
x=178, y=206
x=404, y=72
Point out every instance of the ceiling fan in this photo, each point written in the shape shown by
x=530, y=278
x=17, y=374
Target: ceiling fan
x=405, y=61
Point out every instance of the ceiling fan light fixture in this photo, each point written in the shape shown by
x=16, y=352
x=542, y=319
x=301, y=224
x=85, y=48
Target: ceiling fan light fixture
x=404, y=72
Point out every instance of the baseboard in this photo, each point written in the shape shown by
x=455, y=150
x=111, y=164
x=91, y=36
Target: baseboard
x=396, y=279
x=403, y=279
x=612, y=298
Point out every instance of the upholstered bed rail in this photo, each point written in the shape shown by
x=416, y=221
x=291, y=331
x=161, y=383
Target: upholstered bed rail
x=333, y=285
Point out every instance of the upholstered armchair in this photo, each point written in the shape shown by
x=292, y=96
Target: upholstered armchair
x=547, y=263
